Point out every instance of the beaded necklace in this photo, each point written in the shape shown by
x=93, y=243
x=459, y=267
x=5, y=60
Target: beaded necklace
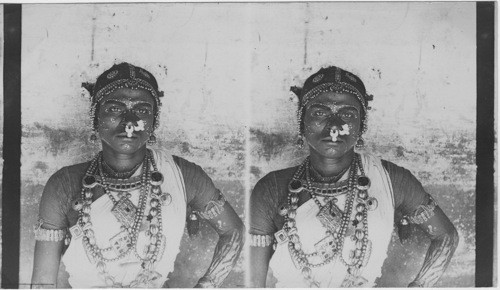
x=131, y=219
x=335, y=221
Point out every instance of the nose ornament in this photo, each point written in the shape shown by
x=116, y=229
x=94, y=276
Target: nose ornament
x=130, y=127
x=334, y=131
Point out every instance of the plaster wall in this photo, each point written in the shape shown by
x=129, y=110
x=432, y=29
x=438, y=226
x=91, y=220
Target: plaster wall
x=226, y=70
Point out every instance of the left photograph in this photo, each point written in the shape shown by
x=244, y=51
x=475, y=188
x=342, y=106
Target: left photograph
x=124, y=183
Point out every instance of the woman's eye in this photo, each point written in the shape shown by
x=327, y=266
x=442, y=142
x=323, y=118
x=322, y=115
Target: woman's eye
x=143, y=111
x=347, y=115
x=319, y=113
x=113, y=109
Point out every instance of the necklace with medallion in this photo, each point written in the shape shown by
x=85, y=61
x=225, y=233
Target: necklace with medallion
x=129, y=216
x=336, y=222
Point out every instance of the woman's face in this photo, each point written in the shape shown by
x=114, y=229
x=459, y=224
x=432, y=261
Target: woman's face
x=328, y=110
x=116, y=110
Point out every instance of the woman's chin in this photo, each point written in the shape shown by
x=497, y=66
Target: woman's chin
x=125, y=147
x=331, y=150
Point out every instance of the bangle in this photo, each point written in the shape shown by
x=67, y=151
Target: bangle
x=261, y=240
x=42, y=234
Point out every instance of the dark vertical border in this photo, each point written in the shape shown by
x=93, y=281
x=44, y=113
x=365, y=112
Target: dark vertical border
x=11, y=193
x=485, y=41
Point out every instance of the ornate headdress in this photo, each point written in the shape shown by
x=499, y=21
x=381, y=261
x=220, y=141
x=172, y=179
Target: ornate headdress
x=123, y=75
x=332, y=79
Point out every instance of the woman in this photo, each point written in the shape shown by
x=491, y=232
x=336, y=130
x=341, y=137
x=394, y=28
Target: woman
x=328, y=222
x=119, y=218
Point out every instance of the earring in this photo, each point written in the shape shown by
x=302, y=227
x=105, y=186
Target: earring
x=152, y=139
x=300, y=141
x=360, y=144
x=93, y=138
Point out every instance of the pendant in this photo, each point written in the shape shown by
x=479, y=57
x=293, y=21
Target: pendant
x=125, y=211
x=281, y=237
x=77, y=204
x=353, y=281
x=121, y=242
x=326, y=248
x=165, y=198
x=330, y=216
x=76, y=231
x=371, y=203
x=368, y=253
x=90, y=253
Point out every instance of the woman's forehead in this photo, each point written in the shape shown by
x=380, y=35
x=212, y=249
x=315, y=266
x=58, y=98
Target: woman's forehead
x=335, y=99
x=129, y=95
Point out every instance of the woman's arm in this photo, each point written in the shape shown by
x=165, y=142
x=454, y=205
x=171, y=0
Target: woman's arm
x=444, y=241
x=230, y=228
x=46, y=264
x=260, y=255
x=50, y=231
x=417, y=207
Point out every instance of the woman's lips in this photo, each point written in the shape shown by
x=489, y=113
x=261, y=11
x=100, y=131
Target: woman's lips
x=329, y=140
x=124, y=136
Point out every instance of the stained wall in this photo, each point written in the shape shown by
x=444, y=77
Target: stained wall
x=226, y=70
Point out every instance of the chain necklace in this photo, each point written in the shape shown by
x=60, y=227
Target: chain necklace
x=332, y=245
x=150, y=190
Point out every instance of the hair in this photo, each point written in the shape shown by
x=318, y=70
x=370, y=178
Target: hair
x=123, y=75
x=331, y=79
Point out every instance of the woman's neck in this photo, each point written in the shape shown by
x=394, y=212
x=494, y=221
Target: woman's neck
x=123, y=162
x=330, y=166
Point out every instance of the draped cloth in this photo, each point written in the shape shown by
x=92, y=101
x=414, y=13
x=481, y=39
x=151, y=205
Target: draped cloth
x=84, y=274
x=311, y=231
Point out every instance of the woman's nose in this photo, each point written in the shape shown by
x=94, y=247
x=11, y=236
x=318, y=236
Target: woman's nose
x=334, y=121
x=130, y=117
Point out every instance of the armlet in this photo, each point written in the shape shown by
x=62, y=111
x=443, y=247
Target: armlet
x=423, y=212
x=42, y=234
x=213, y=208
x=261, y=240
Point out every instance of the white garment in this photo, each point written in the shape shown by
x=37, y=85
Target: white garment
x=83, y=274
x=311, y=231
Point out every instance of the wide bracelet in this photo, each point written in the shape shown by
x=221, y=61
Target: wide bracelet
x=423, y=213
x=213, y=208
x=42, y=234
x=261, y=240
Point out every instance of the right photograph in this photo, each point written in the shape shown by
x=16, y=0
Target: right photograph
x=363, y=147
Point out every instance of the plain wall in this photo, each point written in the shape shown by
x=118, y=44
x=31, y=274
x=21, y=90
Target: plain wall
x=226, y=70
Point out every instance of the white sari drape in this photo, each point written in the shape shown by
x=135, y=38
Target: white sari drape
x=311, y=231
x=83, y=274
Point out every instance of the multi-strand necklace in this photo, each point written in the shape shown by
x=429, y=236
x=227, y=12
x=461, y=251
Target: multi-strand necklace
x=128, y=215
x=336, y=222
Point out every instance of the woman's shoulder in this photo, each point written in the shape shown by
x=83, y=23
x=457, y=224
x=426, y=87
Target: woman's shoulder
x=70, y=172
x=281, y=174
x=395, y=171
x=276, y=181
